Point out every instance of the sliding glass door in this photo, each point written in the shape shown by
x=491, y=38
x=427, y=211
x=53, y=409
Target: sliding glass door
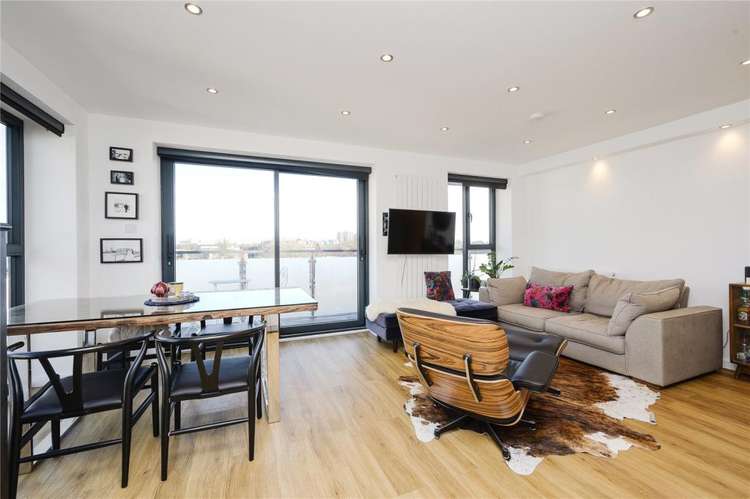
x=224, y=228
x=319, y=245
x=245, y=224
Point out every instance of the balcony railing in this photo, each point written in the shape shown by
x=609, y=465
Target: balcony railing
x=244, y=281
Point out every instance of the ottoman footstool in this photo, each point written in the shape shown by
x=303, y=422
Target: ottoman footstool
x=385, y=325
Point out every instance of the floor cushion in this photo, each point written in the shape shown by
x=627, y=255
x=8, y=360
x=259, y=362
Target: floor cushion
x=588, y=329
x=528, y=317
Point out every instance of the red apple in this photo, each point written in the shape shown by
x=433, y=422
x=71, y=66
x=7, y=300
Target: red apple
x=160, y=289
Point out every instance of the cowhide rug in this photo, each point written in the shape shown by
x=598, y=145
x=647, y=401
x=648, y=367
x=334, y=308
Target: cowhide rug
x=586, y=417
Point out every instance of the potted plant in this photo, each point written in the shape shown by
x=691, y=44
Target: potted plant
x=470, y=281
x=494, y=268
x=474, y=282
x=465, y=280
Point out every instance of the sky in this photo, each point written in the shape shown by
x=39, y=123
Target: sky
x=214, y=203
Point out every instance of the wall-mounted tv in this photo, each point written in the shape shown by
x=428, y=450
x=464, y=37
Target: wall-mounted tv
x=418, y=232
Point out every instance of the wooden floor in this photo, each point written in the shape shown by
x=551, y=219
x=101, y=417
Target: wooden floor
x=343, y=432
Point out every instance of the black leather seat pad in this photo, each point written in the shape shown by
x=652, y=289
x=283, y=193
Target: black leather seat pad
x=100, y=391
x=522, y=343
x=535, y=372
x=232, y=376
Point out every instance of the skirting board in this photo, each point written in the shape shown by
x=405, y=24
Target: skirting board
x=323, y=335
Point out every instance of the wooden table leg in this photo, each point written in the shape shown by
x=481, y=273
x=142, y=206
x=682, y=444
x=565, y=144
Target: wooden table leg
x=270, y=369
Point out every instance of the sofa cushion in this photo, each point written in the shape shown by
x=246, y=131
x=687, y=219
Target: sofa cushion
x=604, y=292
x=528, y=317
x=588, y=329
x=504, y=291
x=549, y=297
x=626, y=311
x=658, y=301
x=439, y=286
x=579, y=281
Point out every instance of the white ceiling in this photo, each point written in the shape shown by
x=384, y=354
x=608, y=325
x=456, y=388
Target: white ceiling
x=290, y=68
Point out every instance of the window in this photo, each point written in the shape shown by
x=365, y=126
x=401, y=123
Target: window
x=473, y=200
x=11, y=211
x=264, y=223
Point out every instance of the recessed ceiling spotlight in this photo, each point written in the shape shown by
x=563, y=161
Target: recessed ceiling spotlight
x=725, y=126
x=345, y=113
x=444, y=129
x=513, y=89
x=746, y=62
x=212, y=90
x=386, y=57
x=193, y=9
x=645, y=12
x=610, y=111
x=528, y=141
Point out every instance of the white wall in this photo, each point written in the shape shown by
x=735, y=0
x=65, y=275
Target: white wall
x=667, y=202
x=52, y=189
x=390, y=170
x=54, y=258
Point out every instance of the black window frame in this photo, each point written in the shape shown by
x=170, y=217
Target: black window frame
x=492, y=184
x=15, y=198
x=170, y=156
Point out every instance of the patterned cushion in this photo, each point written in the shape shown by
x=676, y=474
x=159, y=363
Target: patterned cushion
x=548, y=297
x=439, y=286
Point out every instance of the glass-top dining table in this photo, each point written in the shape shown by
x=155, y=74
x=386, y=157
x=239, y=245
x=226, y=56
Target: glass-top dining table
x=91, y=314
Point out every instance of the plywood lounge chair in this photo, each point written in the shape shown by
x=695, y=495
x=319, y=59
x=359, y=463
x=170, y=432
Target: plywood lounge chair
x=466, y=365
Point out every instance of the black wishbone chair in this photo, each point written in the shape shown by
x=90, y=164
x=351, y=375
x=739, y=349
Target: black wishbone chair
x=78, y=395
x=206, y=378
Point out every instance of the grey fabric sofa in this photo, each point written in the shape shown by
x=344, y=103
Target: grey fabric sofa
x=665, y=342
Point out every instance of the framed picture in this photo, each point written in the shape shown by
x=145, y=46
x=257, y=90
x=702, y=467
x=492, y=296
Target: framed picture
x=121, y=177
x=121, y=154
x=121, y=205
x=126, y=250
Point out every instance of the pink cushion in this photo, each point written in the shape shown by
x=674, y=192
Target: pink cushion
x=548, y=297
x=439, y=286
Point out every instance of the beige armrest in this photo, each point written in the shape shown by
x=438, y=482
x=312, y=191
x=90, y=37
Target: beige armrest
x=671, y=346
x=484, y=294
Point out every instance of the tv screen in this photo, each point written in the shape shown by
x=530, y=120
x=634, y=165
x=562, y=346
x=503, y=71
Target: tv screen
x=417, y=232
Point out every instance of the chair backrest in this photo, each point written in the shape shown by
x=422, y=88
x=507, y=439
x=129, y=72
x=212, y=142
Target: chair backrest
x=198, y=344
x=71, y=400
x=462, y=363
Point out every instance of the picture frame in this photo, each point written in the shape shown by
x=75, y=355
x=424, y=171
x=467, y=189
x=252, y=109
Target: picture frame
x=121, y=177
x=121, y=205
x=120, y=250
x=120, y=154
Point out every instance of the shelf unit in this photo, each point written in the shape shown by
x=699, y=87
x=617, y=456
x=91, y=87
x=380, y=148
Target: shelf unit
x=739, y=331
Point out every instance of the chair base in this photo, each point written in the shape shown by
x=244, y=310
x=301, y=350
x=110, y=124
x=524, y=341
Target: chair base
x=496, y=438
x=489, y=427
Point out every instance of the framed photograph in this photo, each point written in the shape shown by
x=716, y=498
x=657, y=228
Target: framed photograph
x=121, y=154
x=121, y=177
x=121, y=205
x=125, y=250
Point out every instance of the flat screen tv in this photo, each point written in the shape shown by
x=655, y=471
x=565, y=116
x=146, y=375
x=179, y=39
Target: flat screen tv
x=417, y=232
